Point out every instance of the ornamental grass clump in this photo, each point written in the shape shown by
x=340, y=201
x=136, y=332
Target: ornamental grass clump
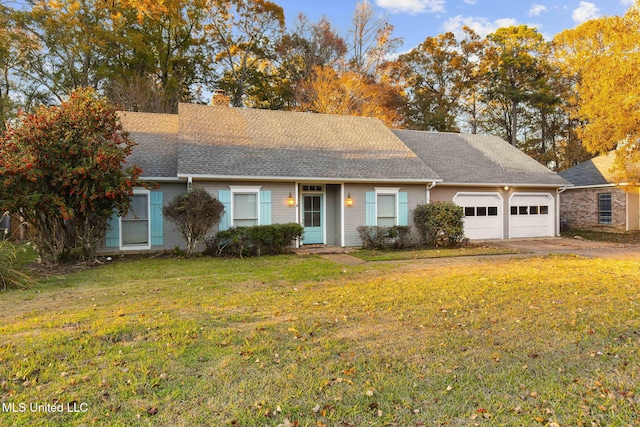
x=11, y=276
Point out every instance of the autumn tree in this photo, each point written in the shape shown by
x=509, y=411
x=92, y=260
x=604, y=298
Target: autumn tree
x=441, y=76
x=62, y=169
x=349, y=93
x=157, y=58
x=516, y=66
x=306, y=46
x=602, y=55
x=242, y=35
x=371, y=40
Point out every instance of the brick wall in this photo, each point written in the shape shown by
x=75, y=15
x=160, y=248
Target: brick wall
x=580, y=208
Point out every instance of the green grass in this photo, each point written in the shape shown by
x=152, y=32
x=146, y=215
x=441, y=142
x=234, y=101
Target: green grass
x=396, y=255
x=255, y=342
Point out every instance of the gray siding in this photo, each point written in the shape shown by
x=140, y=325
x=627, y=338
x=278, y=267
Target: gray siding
x=172, y=237
x=281, y=213
x=355, y=216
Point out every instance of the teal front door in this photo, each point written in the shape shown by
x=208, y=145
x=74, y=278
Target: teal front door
x=312, y=217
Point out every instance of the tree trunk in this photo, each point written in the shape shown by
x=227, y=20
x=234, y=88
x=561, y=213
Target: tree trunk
x=514, y=123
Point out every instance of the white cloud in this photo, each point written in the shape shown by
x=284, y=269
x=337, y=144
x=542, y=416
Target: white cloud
x=471, y=1
x=412, y=6
x=482, y=26
x=585, y=12
x=537, y=9
x=627, y=2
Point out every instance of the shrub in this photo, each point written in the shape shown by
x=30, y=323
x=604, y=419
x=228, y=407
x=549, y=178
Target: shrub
x=10, y=275
x=194, y=213
x=374, y=237
x=257, y=240
x=439, y=223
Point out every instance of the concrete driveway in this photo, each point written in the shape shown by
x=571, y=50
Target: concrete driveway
x=568, y=245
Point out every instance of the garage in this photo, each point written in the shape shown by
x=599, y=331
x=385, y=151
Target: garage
x=531, y=215
x=483, y=217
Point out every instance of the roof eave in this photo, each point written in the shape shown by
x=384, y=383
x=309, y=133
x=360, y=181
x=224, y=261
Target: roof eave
x=308, y=178
x=502, y=184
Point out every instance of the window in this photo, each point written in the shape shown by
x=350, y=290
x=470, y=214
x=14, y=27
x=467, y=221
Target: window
x=386, y=210
x=245, y=209
x=481, y=211
x=469, y=211
x=533, y=210
x=135, y=224
x=544, y=210
x=492, y=211
x=604, y=208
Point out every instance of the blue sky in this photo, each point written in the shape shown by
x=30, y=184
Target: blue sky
x=414, y=20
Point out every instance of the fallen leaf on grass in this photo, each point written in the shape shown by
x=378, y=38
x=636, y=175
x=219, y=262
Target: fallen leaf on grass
x=287, y=423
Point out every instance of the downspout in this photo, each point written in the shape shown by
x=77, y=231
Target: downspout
x=558, y=192
x=189, y=183
x=429, y=187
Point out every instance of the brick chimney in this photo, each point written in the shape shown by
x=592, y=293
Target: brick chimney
x=220, y=98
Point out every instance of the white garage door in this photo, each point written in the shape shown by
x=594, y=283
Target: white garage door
x=482, y=215
x=531, y=215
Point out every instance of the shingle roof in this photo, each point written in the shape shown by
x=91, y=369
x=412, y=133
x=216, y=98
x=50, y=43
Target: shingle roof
x=238, y=142
x=477, y=159
x=157, y=139
x=596, y=171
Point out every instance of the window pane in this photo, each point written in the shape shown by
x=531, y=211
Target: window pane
x=544, y=210
x=135, y=225
x=604, y=208
x=245, y=207
x=533, y=210
x=469, y=211
x=514, y=210
x=139, y=208
x=481, y=210
x=386, y=210
x=522, y=210
x=386, y=205
x=492, y=210
x=135, y=232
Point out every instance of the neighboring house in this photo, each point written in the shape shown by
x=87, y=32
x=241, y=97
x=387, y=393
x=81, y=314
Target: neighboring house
x=329, y=173
x=597, y=200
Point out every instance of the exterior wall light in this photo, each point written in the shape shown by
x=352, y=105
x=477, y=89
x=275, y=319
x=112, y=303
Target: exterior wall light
x=506, y=188
x=291, y=201
x=348, y=201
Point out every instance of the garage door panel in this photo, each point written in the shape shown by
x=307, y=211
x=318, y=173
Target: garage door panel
x=531, y=215
x=483, y=215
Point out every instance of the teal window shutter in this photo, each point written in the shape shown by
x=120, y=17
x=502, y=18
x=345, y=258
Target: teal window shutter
x=112, y=238
x=403, y=208
x=156, y=220
x=370, y=207
x=265, y=207
x=225, y=198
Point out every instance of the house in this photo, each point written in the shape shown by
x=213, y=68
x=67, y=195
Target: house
x=329, y=173
x=597, y=200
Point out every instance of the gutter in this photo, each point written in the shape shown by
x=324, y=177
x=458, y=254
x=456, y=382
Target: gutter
x=327, y=180
x=429, y=187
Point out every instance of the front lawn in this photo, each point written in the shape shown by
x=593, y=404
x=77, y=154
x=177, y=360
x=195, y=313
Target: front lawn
x=286, y=341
